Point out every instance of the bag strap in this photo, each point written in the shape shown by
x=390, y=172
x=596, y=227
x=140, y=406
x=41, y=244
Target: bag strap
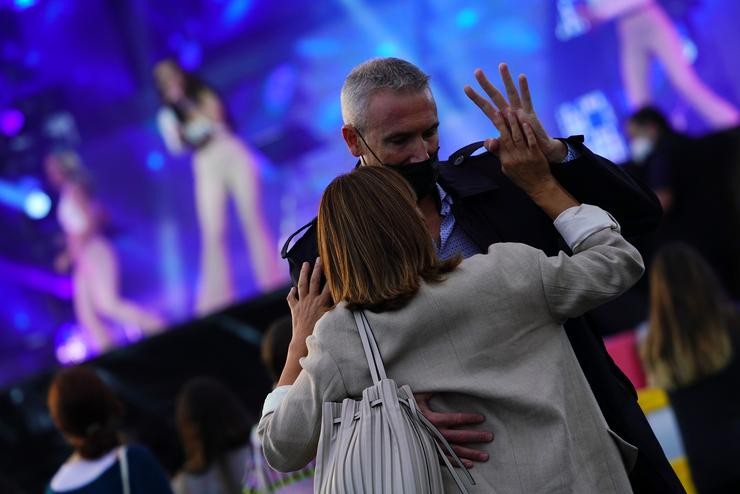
x=377, y=371
x=123, y=462
x=370, y=346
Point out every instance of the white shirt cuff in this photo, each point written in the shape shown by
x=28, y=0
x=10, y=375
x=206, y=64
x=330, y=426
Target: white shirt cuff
x=578, y=223
x=274, y=399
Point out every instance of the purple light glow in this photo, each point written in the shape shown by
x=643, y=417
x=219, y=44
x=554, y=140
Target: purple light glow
x=71, y=345
x=11, y=122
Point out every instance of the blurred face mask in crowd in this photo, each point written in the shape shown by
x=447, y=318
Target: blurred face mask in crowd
x=640, y=148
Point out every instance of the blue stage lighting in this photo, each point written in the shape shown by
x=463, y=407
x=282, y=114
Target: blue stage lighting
x=235, y=11
x=386, y=49
x=23, y=4
x=155, y=161
x=25, y=196
x=37, y=204
x=466, y=18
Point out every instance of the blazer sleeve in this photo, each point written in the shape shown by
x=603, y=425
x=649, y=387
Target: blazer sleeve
x=592, y=179
x=603, y=266
x=290, y=433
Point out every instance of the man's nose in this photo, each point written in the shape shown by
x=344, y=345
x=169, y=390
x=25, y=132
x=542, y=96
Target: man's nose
x=421, y=152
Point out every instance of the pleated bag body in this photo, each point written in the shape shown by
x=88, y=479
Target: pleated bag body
x=382, y=443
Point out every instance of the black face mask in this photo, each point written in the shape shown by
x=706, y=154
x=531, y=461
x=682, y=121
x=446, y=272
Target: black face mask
x=421, y=176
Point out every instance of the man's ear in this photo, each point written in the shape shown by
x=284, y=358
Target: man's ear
x=352, y=139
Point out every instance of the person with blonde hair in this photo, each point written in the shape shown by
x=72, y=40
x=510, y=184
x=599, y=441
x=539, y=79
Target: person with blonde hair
x=691, y=351
x=91, y=256
x=482, y=334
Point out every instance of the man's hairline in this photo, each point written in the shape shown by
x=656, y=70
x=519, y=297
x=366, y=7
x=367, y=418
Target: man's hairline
x=374, y=92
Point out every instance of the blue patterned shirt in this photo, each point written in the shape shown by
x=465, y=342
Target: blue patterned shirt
x=452, y=239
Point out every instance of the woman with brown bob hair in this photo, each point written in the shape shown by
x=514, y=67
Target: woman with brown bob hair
x=88, y=414
x=483, y=334
x=358, y=269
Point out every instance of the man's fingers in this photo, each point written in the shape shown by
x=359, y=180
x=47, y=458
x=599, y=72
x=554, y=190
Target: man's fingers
x=315, y=284
x=515, y=127
x=491, y=90
x=526, y=96
x=466, y=463
x=491, y=145
x=503, y=127
x=511, y=91
x=469, y=454
x=480, y=101
x=457, y=436
x=452, y=419
x=303, y=280
x=529, y=135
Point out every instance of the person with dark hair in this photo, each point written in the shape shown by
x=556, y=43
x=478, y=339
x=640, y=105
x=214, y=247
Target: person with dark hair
x=693, y=179
x=274, y=347
x=261, y=478
x=90, y=255
x=214, y=429
x=484, y=334
x=691, y=350
x=87, y=413
x=193, y=117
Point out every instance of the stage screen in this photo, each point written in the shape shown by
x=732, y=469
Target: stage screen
x=78, y=76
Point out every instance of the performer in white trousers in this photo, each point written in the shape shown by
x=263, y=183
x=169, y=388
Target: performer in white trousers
x=91, y=256
x=224, y=167
x=645, y=31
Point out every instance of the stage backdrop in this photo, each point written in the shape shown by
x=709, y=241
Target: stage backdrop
x=79, y=74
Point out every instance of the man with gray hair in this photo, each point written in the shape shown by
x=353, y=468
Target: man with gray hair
x=390, y=119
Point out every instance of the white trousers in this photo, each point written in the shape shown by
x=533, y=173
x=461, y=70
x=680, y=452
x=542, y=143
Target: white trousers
x=95, y=279
x=225, y=168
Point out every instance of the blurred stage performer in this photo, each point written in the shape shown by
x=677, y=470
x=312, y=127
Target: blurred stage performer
x=193, y=117
x=645, y=31
x=90, y=255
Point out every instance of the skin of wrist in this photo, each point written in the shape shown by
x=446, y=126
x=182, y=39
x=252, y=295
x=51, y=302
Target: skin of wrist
x=552, y=198
x=557, y=152
x=298, y=347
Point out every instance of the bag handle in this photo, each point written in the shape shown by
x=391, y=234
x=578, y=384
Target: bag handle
x=377, y=371
x=370, y=346
x=123, y=461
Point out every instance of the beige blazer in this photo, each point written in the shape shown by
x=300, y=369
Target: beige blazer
x=489, y=340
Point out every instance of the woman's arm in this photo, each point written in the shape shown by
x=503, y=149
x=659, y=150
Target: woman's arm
x=290, y=424
x=291, y=418
x=604, y=265
x=307, y=304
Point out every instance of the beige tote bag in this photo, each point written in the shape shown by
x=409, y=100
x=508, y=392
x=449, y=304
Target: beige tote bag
x=381, y=443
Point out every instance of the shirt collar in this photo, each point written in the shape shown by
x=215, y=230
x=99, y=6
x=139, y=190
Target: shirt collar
x=445, y=201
